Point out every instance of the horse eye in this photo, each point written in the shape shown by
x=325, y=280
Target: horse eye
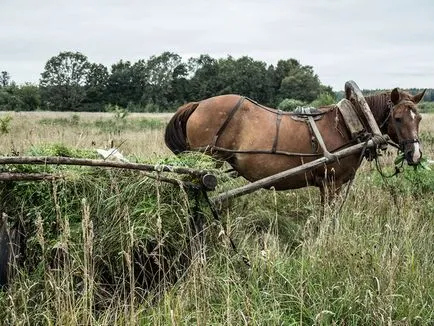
x=398, y=120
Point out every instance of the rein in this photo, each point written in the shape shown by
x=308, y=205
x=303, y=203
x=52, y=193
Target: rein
x=398, y=169
x=390, y=107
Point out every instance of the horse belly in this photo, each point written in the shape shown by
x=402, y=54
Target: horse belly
x=254, y=167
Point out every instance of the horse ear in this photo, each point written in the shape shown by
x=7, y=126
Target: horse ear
x=394, y=96
x=418, y=97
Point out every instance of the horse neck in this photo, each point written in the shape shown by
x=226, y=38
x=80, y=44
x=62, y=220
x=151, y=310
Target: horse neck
x=380, y=106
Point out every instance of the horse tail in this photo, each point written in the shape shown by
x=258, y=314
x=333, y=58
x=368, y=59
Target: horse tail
x=176, y=134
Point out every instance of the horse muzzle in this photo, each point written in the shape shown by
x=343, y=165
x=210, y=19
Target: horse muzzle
x=412, y=152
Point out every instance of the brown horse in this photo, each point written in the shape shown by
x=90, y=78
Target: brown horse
x=258, y=141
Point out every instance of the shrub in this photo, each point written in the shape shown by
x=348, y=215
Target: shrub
x=290, y=104
x=5, y=124
x=323, y=99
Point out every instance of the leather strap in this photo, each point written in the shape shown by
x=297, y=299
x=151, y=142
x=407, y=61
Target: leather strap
x=276, y=137
x=228, y=119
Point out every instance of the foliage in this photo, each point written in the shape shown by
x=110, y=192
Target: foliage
x=416, y=180
x=244, y=76
x=323, y=99
x=60, y=149
x=96, y=87
x=20, y=98
x=62, y=82
x=30, y=98
x=204, y=81
x=163, y=82
x=123, y=83
x=4, y=79
x=290, y=104
x=427, y=107
x=9, y=101
x=5, y=123
x=297, y=81
x=165, y=73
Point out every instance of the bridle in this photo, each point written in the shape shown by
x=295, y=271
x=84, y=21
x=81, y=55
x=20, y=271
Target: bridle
x=402, y=143
x=405, y=142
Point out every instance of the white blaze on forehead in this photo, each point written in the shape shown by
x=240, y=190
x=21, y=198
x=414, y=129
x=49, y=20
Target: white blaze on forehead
x=416, y=153
x=412, y=115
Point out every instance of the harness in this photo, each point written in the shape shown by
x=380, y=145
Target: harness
x=310, y=116
x=402, y=143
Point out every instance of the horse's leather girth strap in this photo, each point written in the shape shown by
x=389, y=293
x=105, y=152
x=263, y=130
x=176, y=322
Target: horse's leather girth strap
x=228, y=119
x=276, y=138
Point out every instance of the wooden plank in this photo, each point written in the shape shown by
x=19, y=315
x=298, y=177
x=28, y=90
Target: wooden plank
x=269, y=181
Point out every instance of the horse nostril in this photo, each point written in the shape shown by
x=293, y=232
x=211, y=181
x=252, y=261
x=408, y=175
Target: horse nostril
x=409, y=157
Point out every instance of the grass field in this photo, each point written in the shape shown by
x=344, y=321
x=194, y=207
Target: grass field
x=91, y=236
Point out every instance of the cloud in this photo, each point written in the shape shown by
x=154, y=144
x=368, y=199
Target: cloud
x=378, y=44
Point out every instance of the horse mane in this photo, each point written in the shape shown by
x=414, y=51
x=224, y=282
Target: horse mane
x=379, y=104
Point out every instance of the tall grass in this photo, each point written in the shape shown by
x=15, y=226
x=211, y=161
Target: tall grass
x=115, y=248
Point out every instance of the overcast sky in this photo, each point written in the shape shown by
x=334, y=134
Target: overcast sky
x=379, y=44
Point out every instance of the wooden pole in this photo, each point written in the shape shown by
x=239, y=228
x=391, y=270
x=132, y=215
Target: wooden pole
x=58, y=160
x=18, y=176
x=269, y=181
x=207, y=179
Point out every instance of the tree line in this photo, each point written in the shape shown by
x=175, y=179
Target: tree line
x=70, y=82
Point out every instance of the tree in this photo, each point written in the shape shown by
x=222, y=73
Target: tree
x=244, y=76
x=20, y=98
x=289, y=104
x=121, y=87
x=96, y=87
x=63, y=80
x=4, y=79
x=296, y=81
x=163, y=73
x=9, y=99
x=204, y=81
x=29, y=96
x=180, y=85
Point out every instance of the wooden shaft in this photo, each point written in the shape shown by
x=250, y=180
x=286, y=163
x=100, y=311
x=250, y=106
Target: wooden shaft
x=271, y=180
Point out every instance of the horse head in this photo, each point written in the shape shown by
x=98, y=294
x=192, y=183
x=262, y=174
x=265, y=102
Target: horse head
x=403, y=124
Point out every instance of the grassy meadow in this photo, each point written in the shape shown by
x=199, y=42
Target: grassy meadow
x=112, y=247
